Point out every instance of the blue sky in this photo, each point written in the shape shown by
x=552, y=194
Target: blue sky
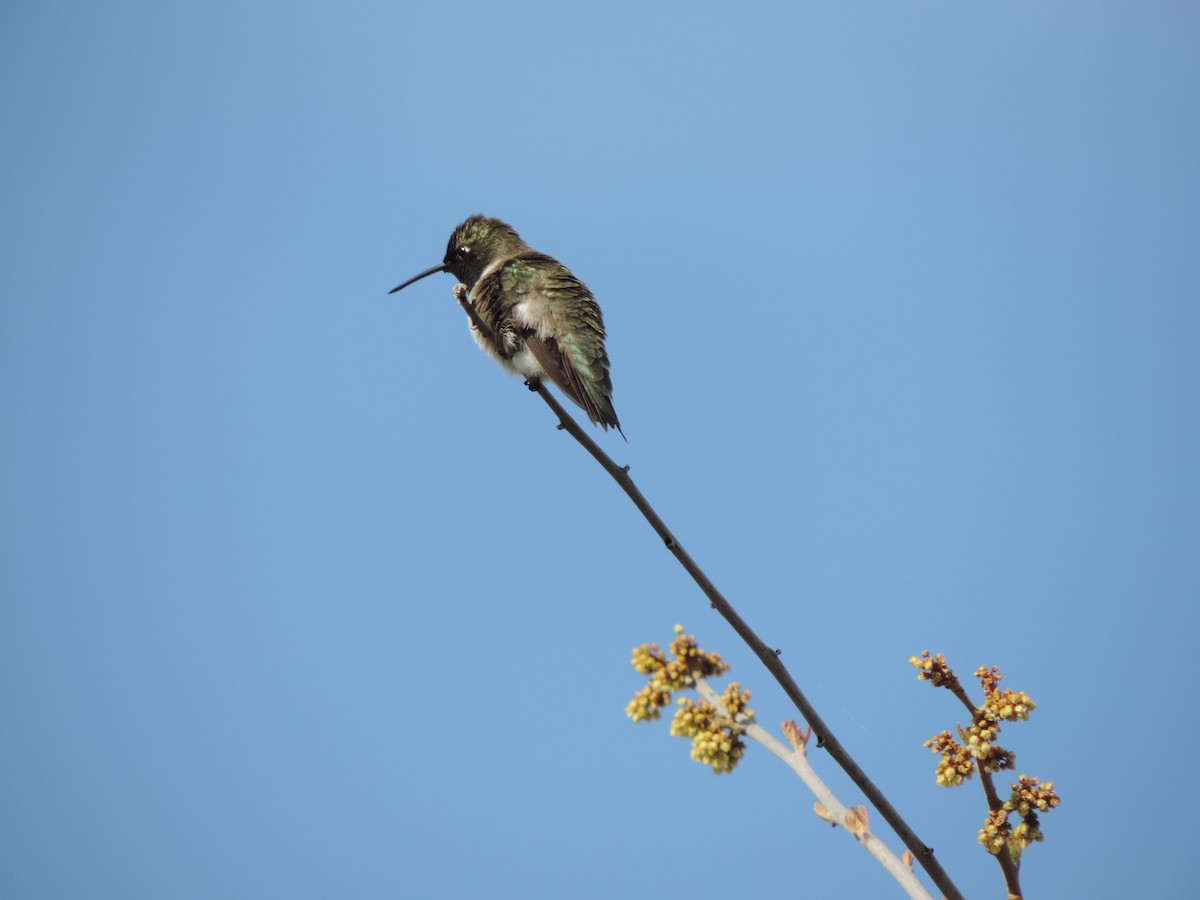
x=301, y=596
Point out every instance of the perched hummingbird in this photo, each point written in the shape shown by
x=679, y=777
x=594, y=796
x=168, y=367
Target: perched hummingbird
x=545, y=321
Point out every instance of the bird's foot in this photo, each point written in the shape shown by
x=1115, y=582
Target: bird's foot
x=533, y=383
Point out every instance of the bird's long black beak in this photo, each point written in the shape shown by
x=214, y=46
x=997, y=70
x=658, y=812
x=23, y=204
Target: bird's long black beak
x=440, y=267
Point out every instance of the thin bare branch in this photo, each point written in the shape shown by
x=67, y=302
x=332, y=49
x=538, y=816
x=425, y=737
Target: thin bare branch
x=769, y=657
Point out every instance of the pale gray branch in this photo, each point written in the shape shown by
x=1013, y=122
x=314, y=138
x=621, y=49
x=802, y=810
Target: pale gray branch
x=796, y=759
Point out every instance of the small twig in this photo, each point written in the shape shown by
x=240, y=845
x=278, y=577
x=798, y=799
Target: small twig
x=922, y=853
x=835, y=812
x=1008, y=866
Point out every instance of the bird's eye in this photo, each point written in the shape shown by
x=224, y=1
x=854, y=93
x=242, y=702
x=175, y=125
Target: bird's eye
x=462, y=251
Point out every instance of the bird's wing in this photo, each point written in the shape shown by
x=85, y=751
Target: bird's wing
x=550, y=357
x=560, y=322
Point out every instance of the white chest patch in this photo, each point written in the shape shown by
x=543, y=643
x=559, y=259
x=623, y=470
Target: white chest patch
x=535, y=311
x=525, y=363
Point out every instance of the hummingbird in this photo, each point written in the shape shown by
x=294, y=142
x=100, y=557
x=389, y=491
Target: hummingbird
x=544, y=321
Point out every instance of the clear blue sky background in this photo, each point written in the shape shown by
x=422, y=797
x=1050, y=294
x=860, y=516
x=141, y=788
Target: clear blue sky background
x=303, y=597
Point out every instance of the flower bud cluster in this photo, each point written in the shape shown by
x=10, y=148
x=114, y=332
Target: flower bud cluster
x=716, y=740
x=1028, y=798
x=715, y=731
x=956, y=764
x=933, y=669
x=1014, y=825
x=1010, y=706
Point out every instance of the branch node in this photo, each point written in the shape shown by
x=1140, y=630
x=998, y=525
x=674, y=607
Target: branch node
x=625, y=469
